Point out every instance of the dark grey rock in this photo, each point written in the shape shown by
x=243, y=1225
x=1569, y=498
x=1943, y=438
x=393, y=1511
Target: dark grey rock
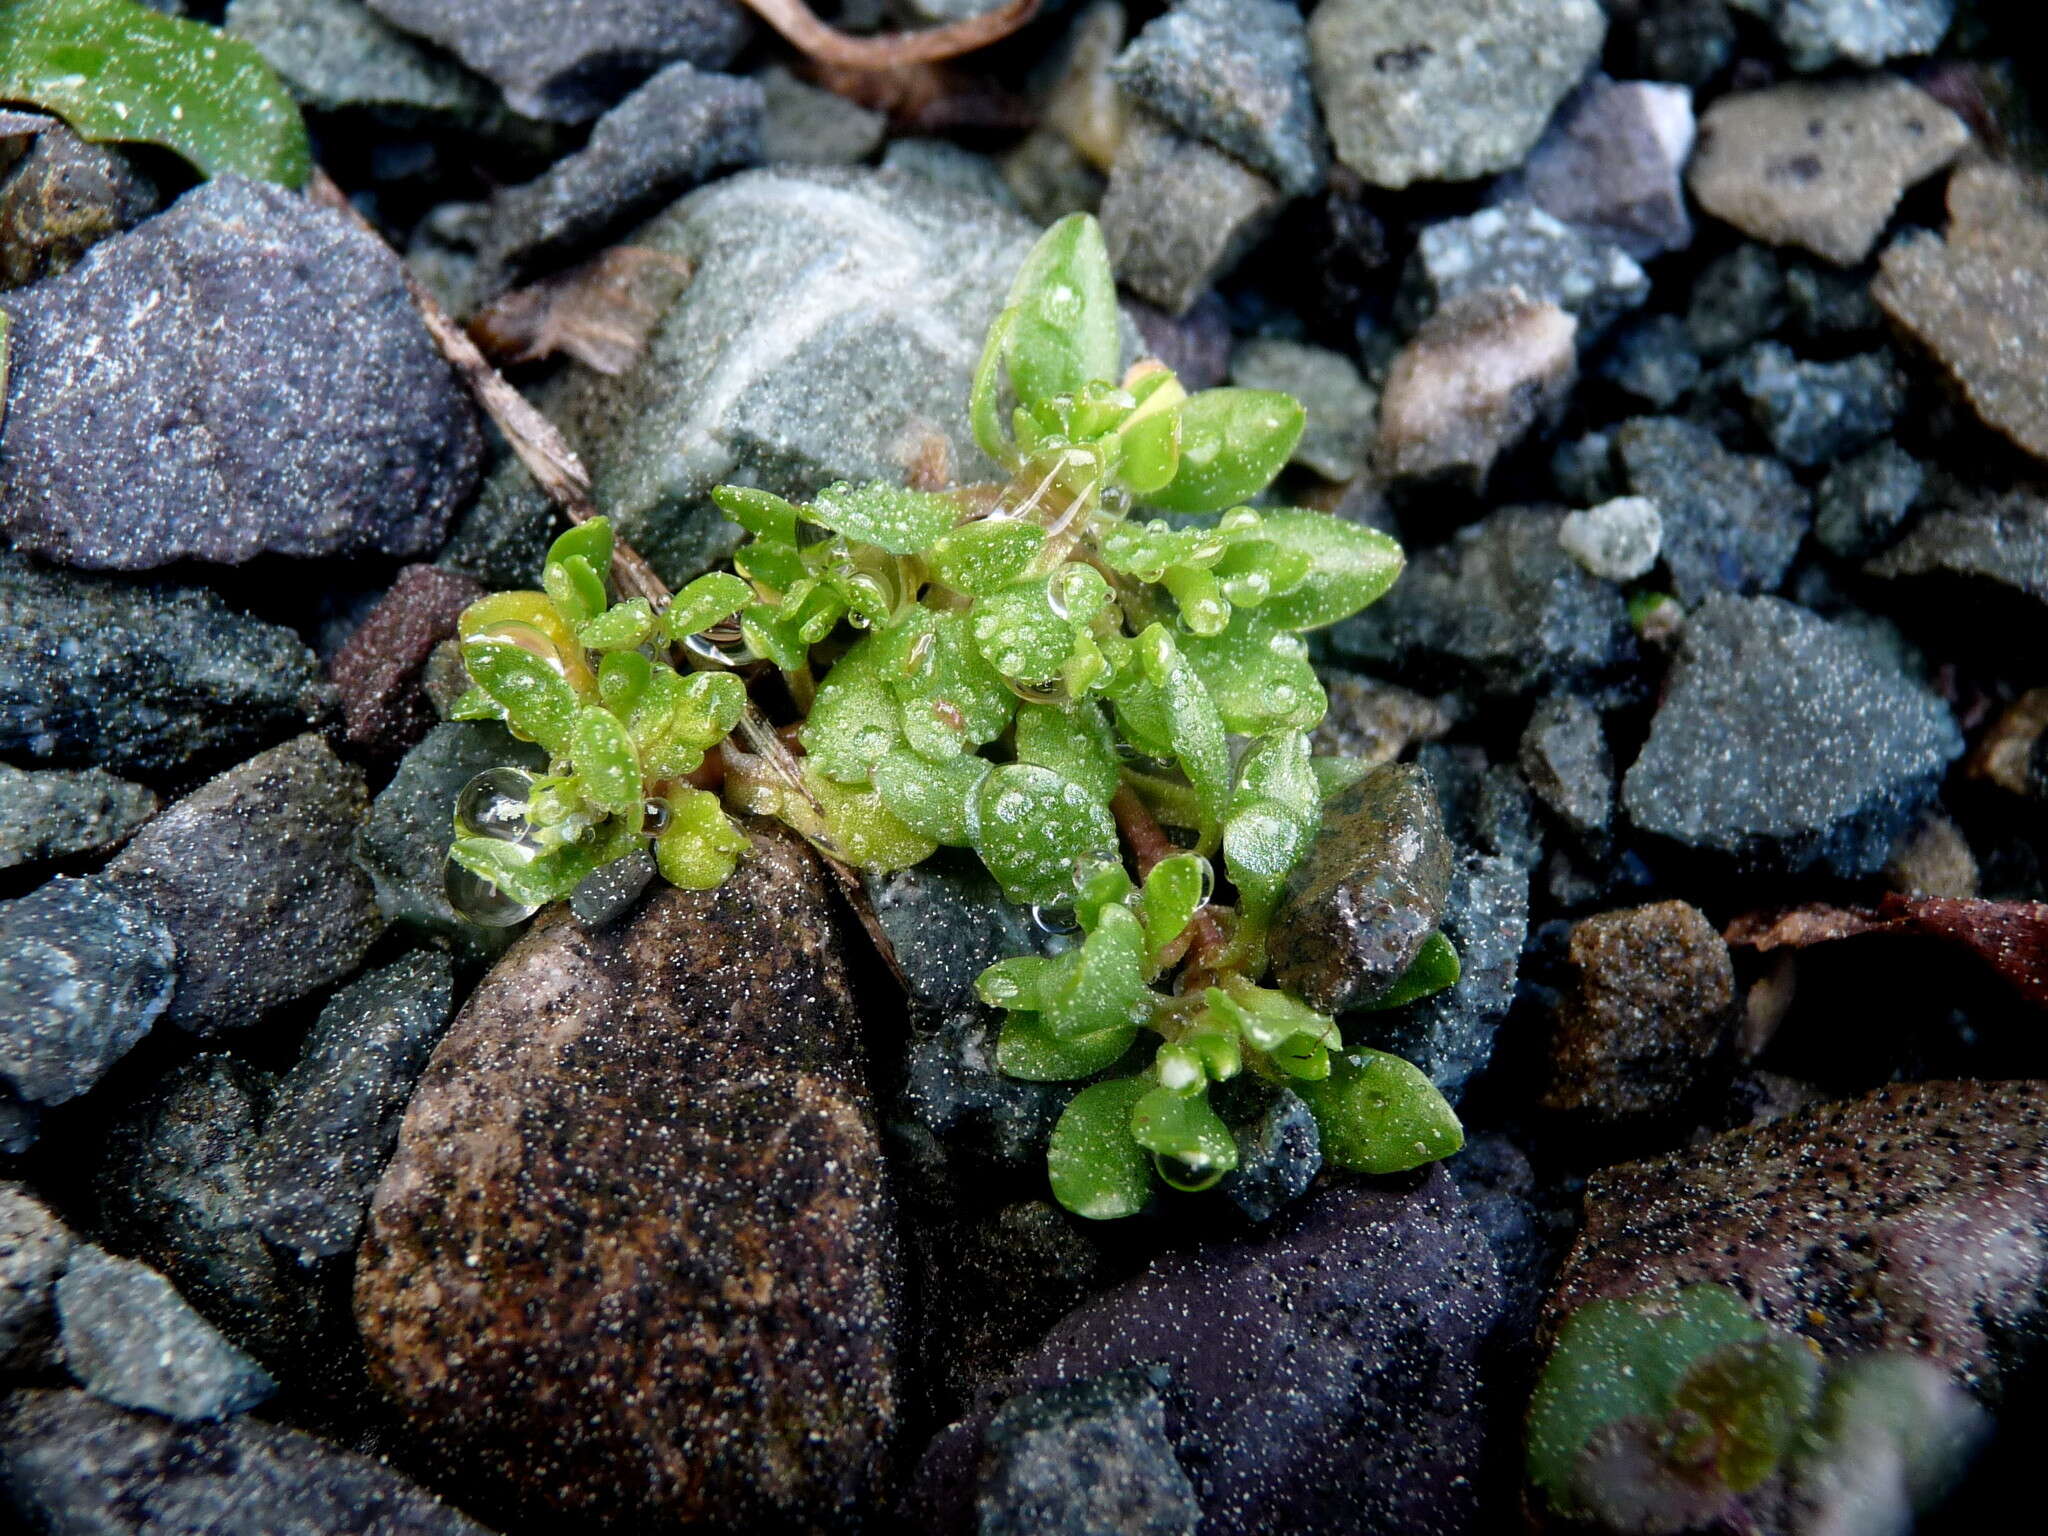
x=85, y=970
x=1529, y=1227
x=1611, y=163
x=1341, y=405
x=1817, y=33
x=133, y=1341
x=1050, y=178
x=609, y=894
x=333, y=1118
x=162, y=682
x=34, y=1248
x=679, y=129
x=981, y=1120
x=1739, y=298
x=19, y=1121
x=502, y=540
x=2000, y=543
x=1179, y=213
x=952, y=166
x=830, y=329
x=1732, y=522
x=1864, y=500
x=1582, y=469
x=62, y=197
x=60, y=812
x=1371, y=888
x=251, y=874
x=1450, y=1036
x=1689, y=41
x=243, y=374
x=1655, y=361
x=403, y=842
x=1784, y=741
x=1565, y=761
x=1446, y=91
x=74, y=1464
x=1814, y=413
x=1501, y=606
x=806, y=125
x=1332, y=1382
x=1085, y=1458
x=1828, y=307
x=571, y=62
x=336, y=54
x=1235, y=74
x=1279, y=1147
x=1618, y=540
x=1517, y=245
x=948, y=922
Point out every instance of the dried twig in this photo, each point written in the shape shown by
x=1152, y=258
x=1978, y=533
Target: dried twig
x=828, y=45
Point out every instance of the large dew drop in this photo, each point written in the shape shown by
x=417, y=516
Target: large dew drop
x=478, y=901
x=493, y=805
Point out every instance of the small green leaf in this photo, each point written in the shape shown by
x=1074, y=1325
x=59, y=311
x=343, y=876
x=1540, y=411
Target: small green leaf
x=474, y=704
x=930, y=795
x=854, y=722
x=1096, y=1170
x=1103, y=982
x=622, y=627
x=1062, y=313
x=1073, y=740
x=574, y=588
x=589, y=541
x=700, y=847
x=1378, y=1114
x=705, y=601
x=1181, y=1125
x=622, y=676
x=1350, y=566
x=1030, y=825
x=606, y=762
x=1757, y=1395
x=1232, y=443
x=983, y=557
x=1194, y=727
x=1149, y=550
x=117, y=70
x=773, y=635
x=1267, y=1019
x=1017, y=982
x=537, y=702
x=1027, y=1049
x=1174, y=889
x=862, y=829
x=1259, y=677
x=1147, y=445
x=952, y=698
x=890, y=517
x=1030, y=631
x=1434, y=968
x=771, y=558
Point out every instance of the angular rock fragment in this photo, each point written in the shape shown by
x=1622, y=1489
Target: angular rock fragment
x=1730, y=521
x=335, y=55
x=1863, y=501
x=1373, y=722
x=1179, y=213
x=1340, y=404
x=1814, y=413
x=1518, y=245
x=1618, y=540
x=34, y=1248
x=378, y=668
x=1817, y=33
x=60, y=199
x=1979, y=572
x=63, y=811
x=1565, y=760
x=806, y=125
x=1085, y=1458
x=1655, y=361
x=1612, y=164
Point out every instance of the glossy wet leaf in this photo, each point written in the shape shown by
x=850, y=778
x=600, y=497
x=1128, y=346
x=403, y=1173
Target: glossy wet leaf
x=771, y=557
x=700, y=846
x=1017, y=982
x=590, y=541
x=863, y=830
x=984, y=557
x=1029, y=631
x=1350, y=566
x=890, y=517
x=1148, y=550
x=1096, y=1170
x=622, y=677
x=1194, y=728
x=717, y=595
x=952, y=698
x=1147, y=444
x=1062, y=330
x=537, y=702
x=1073, y=740
x=1183, y=1127
x=929, y=795
x=115, y=70
x=535, y=879
x=1232, y=443
x=1030, y=824
x=1175, y=888
x=854, y=722
x=1379, y=1114
x=1267, y=1019
x=1100, y=985
x=1434, y=968
x=606, y=762
x=622, y=627
x=575, y=589
x=1029, y=1050
x=1259, y=677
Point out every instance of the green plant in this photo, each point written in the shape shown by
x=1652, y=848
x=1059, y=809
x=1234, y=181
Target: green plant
x=1026, y=669
x=115, y=69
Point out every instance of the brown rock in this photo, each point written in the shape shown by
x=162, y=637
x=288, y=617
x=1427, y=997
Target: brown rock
x=1821, y=166
x=632, y=1262
x=1913, y=1218
x=1374, y=722
x=62, y=198
x=1478, y=375
x=1979, y=300
x=379, y=669
x=1652, y=1006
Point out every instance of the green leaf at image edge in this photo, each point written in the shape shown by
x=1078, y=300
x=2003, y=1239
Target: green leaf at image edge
x=115, y=70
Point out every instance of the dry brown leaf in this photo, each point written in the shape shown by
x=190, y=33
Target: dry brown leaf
x=2009, y=936
x=828, y=45
x=600, y=313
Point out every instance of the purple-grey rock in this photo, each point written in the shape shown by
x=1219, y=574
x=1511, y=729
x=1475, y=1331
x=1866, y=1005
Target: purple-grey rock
x=34, y=1248
x=1814, y=413
x=1085, y=1458
x=1732, y=522
x=1279, y=1147
x=1612, y=164
x=243, y=374
x=64, y=811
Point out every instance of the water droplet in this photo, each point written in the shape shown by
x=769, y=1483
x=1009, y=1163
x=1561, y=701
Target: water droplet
x=1238, y=520
x=1185, y=1174
x=1053, y=919
x=1208, y=885
x=654, y=817
x=723, y=645
x=1035, y=693
x=526, y=637
x=921, y=650
x=480, y=902
x=493, y=805
x=999, y=990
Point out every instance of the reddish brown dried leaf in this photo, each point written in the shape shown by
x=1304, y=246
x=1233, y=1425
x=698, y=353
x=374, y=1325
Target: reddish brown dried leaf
x=2009, y=936
x=600, y=313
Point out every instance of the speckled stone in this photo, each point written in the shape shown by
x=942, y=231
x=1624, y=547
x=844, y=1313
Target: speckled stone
x=335, y=54
x=1611, y=161
x=1333, y=1382
x=34, y=1248
x=64, y=811
x=1372, y=721
x=1085, y=1458
x=1738, y=298
x=1863, y=501
x=569, y=61
x=1820, y=166
x=165, y=683
x=251, y=874
x=1910, y=1218
x=1564, y=758
x=60, y=199
x=1178, y=213
x=1655, y=361
x=1279, y=1147
x=274, y=388
x=1371, y=888
x=378, y=669
x=948, y=922
x=133, y=1341
x=1813, y=412
x=1783, y=740
x=1446, y=90
x=1818, y=33
x=1998, y=544
x=633, y=1261
x=807, y=125
x=1618, y=540
x=1731, y=521
x=74, y=1464
x=962, y=1118
x=1649, y=1007
x=1340, y=404
x=1517, y=245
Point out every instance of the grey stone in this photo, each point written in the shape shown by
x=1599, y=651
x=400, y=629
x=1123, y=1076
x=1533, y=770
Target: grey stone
x=1732, y=522
x=1655, y=361
x=1618, y=540
x=158, y=681
x=1050, y=178
x=948, y=922
x=1817, y=33
x=502, y=539
x=1820, y=166
x=681, y=128
x=1370, y=890
x=1784, y=741
x=61, y=198
x=1739, y=298
x=243, y=374
x=333, y=1117
x=1611, y=164
x=609, y=894
x=34, y=1248
x=1979, y=570
x=570, y=61
x=133, y=1341
x=1085, y=1458
x=403, y=842
x=1515, y=244
x=953, y=166
x=336, y=54
x=1501, y=606
x=806, y=125
x=1341, y=405
x=956, y=1100
x=1279, y=1147
x=74, y=1464
x=1235, y=74
x=251, y=874
x=1566, y=763
x=1829, y=307
x=1814, y=413
x=831, y=328
x=1178, y=213
x=1582, y=469
x=1450, y=1036
x=85, y=970
x=1689, y=41
x=59, y=812
x=1446, y=91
